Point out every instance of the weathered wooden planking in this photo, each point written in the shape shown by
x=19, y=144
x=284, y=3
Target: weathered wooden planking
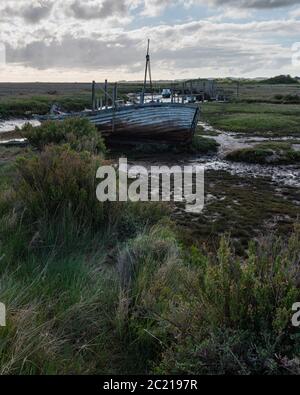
x=168, y=122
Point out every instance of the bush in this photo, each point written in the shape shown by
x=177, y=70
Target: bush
x=53, y=204
x=234, y=316
x=280, y=79
x=203, y=145
x=57, y=181
x=280, y=153
x=78, y=132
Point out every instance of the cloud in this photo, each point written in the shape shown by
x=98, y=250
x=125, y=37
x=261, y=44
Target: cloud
x=259, y=4
x=187, y=49
x=70, y=52
x=32, y=12
x=109, y=38
x=154, y=8
x=80, y=9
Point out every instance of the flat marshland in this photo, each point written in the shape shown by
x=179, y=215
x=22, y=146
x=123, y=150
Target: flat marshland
x=95, y=288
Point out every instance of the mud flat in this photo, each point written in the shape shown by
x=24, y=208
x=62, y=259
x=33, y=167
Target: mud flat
x=244, y=200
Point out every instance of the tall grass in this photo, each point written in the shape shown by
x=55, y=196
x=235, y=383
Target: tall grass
x=58, y=275
x=96, y=288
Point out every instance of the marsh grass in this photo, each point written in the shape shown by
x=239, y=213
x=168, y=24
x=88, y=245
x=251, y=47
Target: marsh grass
x=203, y=145
x=58, y=276
x=41, y=104
x=96, y=303
x=276, y=153
x=262, y=119
x=96, y=288
x=233, y=316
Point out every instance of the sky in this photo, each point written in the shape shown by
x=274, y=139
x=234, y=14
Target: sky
x=85, y=40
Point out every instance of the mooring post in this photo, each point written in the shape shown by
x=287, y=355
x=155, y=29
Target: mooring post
x=105, y=92
x=172, y=93
x=93, y=95
x=101, y=103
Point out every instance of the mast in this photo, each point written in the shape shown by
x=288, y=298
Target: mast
x=147, y=70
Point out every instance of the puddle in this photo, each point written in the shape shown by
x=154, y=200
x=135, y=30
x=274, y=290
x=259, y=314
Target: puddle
x=228, y=141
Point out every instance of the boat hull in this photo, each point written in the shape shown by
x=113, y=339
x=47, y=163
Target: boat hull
x=155, y=122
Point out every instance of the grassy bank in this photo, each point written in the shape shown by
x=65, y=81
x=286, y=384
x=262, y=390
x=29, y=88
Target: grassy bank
x=262, y=119
x=276, y=153
x=27, y=106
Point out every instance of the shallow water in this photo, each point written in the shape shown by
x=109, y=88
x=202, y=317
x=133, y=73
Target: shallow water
x=11, y=124
x=284, y=175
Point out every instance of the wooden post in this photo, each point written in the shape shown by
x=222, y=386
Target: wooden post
x=101, y=103
x=115, y=95
x=93, y=95
x=105, y=92
x=172, y=93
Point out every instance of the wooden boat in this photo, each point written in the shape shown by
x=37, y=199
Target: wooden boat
x=160, y=122
x=154, y=122
x=169, y=123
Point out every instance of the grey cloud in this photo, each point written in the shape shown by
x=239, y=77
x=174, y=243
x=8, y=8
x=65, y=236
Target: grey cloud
x=260, y=4
x=128, y=52
x=31, y=13
x=72, y=53
x=102, y=10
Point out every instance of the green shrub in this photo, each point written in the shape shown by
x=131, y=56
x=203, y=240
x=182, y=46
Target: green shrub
x=203, y=145
x=266, y=153
x=60, y=180
x=250, y=155
x=234, y=316
x=78, y=132
x=280, y=79
x=53, y=204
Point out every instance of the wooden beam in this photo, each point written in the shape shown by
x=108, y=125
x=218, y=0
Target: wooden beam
x=105, y=94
